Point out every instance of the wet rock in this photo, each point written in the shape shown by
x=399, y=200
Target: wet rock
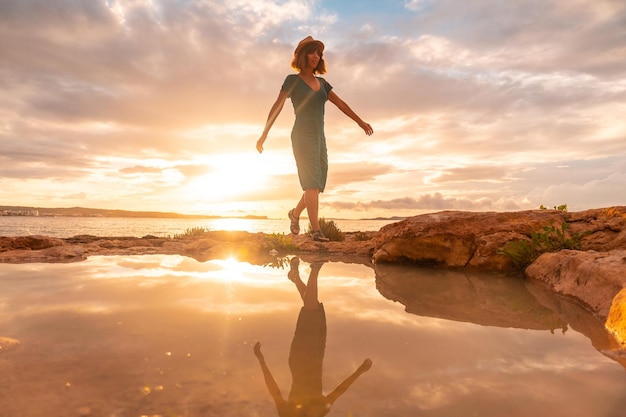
x=594, y=278
x=616, y=322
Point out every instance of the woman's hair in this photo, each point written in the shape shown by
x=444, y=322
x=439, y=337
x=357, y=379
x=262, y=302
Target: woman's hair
x=299, y=61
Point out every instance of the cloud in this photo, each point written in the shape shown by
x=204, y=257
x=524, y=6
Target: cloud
x=141, y=170
x=77, y=196
x=425, y=202
x=472, y=106
x=577, y=196
x=355, y=172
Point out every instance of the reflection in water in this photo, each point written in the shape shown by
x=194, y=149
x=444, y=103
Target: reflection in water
x=489, y=300
x=168, y=336
x=306, y=356
x=484, y=299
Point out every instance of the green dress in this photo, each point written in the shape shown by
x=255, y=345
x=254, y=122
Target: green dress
x=307, y=136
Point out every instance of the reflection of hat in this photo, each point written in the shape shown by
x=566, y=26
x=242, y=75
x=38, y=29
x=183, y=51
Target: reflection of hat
x=306, y=41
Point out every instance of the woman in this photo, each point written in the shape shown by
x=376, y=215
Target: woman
x=308, y=95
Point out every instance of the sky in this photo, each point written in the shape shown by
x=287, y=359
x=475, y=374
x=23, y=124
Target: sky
x=156, y=105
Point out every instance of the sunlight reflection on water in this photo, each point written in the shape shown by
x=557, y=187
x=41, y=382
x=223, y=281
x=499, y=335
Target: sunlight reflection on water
x=167, y=335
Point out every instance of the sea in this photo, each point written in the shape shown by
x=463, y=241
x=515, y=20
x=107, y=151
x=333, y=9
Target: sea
x=65, y=227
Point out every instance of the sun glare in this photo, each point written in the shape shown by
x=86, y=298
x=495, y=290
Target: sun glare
x=231, y=176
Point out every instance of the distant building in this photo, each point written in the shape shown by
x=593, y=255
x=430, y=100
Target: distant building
x=19, y=213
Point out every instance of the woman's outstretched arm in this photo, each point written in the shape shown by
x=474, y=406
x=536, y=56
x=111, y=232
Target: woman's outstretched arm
x=271, y=118
x=343, y=387
x=271, y=384
x=343, y=106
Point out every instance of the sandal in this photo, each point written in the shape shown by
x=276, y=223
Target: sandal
x=293, y=273
x=318, y=236
x=295, y=223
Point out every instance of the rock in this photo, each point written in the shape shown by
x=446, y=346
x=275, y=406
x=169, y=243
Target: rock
x=616, y=322
x=594, y=278
x=456, y=239
x=604, y=229
x=28, y=243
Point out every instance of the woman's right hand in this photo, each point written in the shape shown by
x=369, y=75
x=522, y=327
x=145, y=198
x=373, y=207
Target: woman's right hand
x=260, y=142
x=257, y=350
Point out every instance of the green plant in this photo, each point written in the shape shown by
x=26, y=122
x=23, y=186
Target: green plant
x=562, y=207
x=192, y=232
x=550, y=239
x=330, y=230
x=280, y=242
x=279, y=262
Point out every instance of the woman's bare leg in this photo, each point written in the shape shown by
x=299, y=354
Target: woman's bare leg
x=311, y=200
x=297, y=211
x=310, y=295
x=294, y=275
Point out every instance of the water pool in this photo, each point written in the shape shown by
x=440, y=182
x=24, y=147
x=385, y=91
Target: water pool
x=171, y=336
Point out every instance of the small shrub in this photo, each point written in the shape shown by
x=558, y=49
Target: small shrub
x=280, y=242
x=562, y=207
x=550, y=239
x=192, y=232
x=330, y=230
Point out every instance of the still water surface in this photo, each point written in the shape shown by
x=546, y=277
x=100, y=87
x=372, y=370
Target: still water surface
x=171, y=336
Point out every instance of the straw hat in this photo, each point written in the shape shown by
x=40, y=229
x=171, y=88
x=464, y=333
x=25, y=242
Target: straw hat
x=306, y=41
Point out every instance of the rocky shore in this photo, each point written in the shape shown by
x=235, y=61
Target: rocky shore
x=594, y=275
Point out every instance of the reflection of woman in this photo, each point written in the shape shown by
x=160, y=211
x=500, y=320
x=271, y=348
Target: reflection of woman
x=306, y=356
x=309, y=94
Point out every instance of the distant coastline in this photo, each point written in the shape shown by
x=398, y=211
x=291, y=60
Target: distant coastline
x=90, y=212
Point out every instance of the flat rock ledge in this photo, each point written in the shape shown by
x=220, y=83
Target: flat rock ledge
x=595, y=276
x=257, y=248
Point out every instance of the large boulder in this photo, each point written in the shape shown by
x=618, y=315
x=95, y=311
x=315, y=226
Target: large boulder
x=457, y=239
x=593, y=278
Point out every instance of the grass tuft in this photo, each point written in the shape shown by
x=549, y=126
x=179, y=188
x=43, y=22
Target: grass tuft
x=523, y=252
x=192, y=232
x=280, y=242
